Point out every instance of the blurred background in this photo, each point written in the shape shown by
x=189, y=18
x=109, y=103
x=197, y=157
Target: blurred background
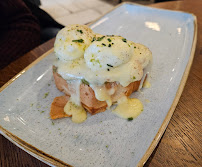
x=81, y=11
x=25, y=24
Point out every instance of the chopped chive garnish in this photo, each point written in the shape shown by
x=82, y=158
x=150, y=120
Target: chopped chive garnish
x=78, y=40
x=124, y=40
x=108, y=69
x=109, y=45
x=130, y=119
x=134, y=46
x=100, y=38
x=93, y=39
x=110, y=65
x=85, y=82
x=103, y=44
x=109, y=39
x=80, y=31
x=134, y=77
x=45, y=95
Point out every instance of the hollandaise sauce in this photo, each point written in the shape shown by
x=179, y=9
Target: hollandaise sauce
x=146, y=84
x=128, y=108
x=102, y=94
x=77, y=112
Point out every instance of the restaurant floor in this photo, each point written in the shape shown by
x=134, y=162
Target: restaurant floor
x=79, y=11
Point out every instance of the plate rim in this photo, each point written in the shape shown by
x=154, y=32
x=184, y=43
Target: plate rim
x=50, y=160
x=166, y=121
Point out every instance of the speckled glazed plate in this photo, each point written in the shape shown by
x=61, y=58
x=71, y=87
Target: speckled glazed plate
x=104, y=139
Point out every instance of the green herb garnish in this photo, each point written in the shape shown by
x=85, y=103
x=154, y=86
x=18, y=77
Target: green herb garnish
x=42, y=111
x=85, y=82
x=109, y=39
x=110, y=65
x=134, y=77
x=134, y=46
x=45, y=95
x=92, y=60
x=100, y=38
x=124, y=40
x=103, y=44
x=80, y=31
x=78, y=40
x=109, y=45
x=93, y=39
x=130, y=119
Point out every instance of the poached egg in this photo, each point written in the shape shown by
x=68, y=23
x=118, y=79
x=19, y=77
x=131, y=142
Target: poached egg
x=83, y=55
x=72, y=41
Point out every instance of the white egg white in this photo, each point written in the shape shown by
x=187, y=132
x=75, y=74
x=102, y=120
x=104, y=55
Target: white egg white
x=142, y=54
x=107, y=52
x=72, y=41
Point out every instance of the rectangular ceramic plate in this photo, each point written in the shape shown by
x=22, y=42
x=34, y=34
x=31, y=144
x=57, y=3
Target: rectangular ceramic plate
x=104, y=139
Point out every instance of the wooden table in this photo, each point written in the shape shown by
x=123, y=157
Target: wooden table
x=180, y=144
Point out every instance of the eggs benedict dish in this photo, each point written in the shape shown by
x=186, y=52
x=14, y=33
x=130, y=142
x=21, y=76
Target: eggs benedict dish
x=95, y=71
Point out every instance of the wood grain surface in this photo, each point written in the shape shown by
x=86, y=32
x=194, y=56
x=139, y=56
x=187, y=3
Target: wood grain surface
x=181, y=142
